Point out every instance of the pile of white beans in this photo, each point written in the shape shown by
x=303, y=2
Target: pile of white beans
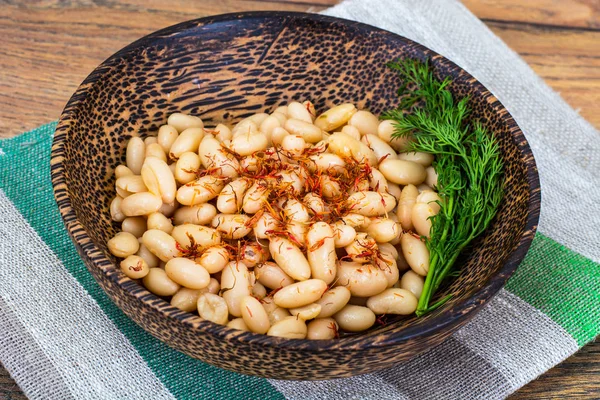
x=287, y=224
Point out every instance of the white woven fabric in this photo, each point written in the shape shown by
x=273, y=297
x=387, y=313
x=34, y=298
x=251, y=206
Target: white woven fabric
x=55, y=340
x=566, y=147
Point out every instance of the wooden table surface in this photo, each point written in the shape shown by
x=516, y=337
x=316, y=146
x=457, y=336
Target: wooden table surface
x=49, y=46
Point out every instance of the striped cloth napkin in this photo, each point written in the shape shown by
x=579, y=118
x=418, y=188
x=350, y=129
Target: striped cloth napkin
x=62, y=338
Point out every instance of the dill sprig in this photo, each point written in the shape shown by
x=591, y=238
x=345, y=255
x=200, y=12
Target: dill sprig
x=467, y=161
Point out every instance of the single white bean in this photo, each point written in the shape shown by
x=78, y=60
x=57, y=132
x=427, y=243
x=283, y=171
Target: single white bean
x=186, y=167
x=188, y=140
x=122, y=171
x=327, y=162
x=403, y=172
x=431, y=198
x=355, y=318
x=259, y=291
x=299, y=111
x=365, y=121
x=322, y=329
x=386, y=263
x=158, y=221
x=344, y=234
x=187, y=273
x=214, y=158
x=425, y=159
x=371, y=204
x=290, y=258
x=150, y=140
x=378, y=183
x=385, y=130
x=123, y=244
x=212, y=307
x=157, y=282
x=130, y=184
x=412, y=282
x=289, y=328
x=244, y=127
x=254, y=315
x=231, y=198
x=255, y=197
x=168, y=209
x=381, y=149
x=148, y=256
x=199, y=191
x=394, y=190
x=333, y=301
x=293, y=145
x=432, y=178
x=203, y=237
x=249, y=143
x=268, y=126
x=200, y=214
x=420, y=215
x=416, y=253
x=159, y=179
x=362, y=280
x=134, y=225
x=235, y=286
x=238, y=323
x=346, y=146
x=135, y=154
x=362, y=249
x=335, y=117
x=383, y=229
x=186, y=299
x=166, y=137
x=309, y=311
x=155, y=150
x=232, y=226
x=393, y=301
x=222, y=132
x=407, y=201
x=134, y=267
x=300, y=293
x=161, y=244
x=214, y=259
x=115, y=209
x=321, y=252
x=272, y=276
x=265, y=223
x=181, y=122
x=143, y=203
x=351, y=131
x=278, y=134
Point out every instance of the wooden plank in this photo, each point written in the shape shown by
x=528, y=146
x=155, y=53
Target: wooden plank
x=568, y=60
x=565, y=13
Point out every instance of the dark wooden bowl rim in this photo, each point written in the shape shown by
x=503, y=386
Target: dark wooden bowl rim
x=436, y=323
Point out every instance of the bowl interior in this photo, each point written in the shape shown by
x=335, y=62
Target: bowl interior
x=228, y=67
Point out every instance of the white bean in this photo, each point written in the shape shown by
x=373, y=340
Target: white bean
x=371, y=204
x=393, y=301
x=244, y=127
x=321, y=252
x=214, y=259
x=355, y=318
x=130, y=184
x=431, y=198
x=278, y=134
x=235, y=286
x=187, y=273
x=425, y=159
x=123, y=244
x=335, y=117
x=238, y=323
x=212, y=307
x=143, y=203
x=362, y=249
x=166, y=137
x=289, y=328
x=432, y=178
x=115, y=209
x=362, y=280
x=150, y=140
x=403, y=172
x=203, y=237
x=300, y=293
x=394, y=190
x=159, y=179
x=249, y=143
x=290, y=258
x=385, y=130
x=416, y=253
x=333, y=301
x=378, y=183
x=272, y=276
x=420, y=215
x=135, y=154
x=379, y=147
x=331, y=163
x=134, y=225
x=344, y=234
x=134, y=267
x=254, y=315
x=346, y=146
x=122, y=171
x=388, y=265
x=186, y=299
x=293, y=144
x=200, y=214
x=408, y=198
x=231, y=198
x=199, y=191
x=159, y=221
x=161, y=244
x=265, y=223
x=268, y=126
x=253, y=253
x=186, y=167
x=309, y=311
x=299, y=111
x=255, y=197
x=322, y=329
x=412, y=282
x=232, y=226
x=351, y=131
x=315, y=203
x=214, y=158
x=222, y=132
x=182, y=122
x=259, y=291
x=383, y=229
x=155, y=150
x=188, y=140
x=168, y=209
x=365, y=122
x=157, y=282
x=147, y=255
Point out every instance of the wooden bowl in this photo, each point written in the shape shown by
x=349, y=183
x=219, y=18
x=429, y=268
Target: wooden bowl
x=225, y=68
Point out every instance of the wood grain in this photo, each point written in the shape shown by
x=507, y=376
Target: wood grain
x=49, y=47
